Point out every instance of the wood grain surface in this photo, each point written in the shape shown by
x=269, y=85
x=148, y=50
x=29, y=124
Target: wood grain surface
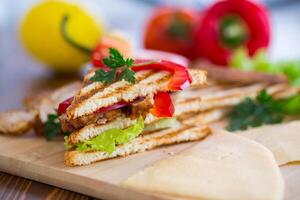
x=17, y=188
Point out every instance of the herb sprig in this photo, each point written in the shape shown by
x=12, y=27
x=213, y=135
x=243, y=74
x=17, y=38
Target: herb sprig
x=262, y=110
x=115, y=62
x=52, y=127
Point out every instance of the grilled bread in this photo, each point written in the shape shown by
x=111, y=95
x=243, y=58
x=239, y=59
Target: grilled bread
x=139, y=144
x=95, y=96
x=17, y=122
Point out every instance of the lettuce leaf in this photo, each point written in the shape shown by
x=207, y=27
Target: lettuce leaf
x=108, y=139
x=260, y=62
x=162, y=124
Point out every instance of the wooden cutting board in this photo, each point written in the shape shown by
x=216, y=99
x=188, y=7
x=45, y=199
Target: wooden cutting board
x=36, y=159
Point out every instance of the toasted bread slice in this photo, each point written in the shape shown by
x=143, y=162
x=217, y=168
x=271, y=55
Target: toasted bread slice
x=204, y=118
x=221, y=98
x=94, y=96
x=232, y=75
x=17, y=122
x=183, y=107
x=140, y=144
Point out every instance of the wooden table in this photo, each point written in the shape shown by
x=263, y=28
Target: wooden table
x=20, y=76
x=13, y=187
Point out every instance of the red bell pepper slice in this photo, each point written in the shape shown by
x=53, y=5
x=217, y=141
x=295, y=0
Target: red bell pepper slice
x=63, y=106
x=181, y=78
x=163, y=106
x=230, y=24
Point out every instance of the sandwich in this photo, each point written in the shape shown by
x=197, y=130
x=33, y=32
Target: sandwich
x=35, y=113
x=125, y=107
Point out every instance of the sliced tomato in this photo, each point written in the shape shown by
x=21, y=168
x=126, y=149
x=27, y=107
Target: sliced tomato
x=181, y=78
x=163, y=105
x=171, y=29
x=63, y=106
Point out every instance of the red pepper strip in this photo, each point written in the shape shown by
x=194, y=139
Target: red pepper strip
x=252, y=19
x=63, y=106
x=180, y=80
x=163, y=106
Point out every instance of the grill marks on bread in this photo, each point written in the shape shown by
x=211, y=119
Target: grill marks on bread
x=95, y=95
x=118, y=91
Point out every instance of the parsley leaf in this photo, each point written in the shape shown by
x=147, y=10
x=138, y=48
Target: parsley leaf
x=115, y=59
x=262, y=110
x=52, y=127
x=127, y=75
x=103, y=76
x=115, y=62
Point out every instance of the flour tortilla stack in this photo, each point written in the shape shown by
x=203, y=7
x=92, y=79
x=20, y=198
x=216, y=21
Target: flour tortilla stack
x=222, y=167
x=283, y=140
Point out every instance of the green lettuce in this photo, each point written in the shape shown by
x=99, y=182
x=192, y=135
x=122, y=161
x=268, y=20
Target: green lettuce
x=162, y=124
x=260, y=62
x=107, y=140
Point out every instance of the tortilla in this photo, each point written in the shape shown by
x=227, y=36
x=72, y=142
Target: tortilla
x=224, y=166
x=282, y=140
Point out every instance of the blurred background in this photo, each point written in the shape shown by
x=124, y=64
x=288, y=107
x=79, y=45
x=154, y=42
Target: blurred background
x=21, y=75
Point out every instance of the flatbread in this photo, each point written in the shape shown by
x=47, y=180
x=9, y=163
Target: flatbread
x=282, y=140
x=224, y=166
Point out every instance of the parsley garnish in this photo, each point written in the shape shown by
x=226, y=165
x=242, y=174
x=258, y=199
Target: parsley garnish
x=52, y=127
x=262, y=110
x=115, y=62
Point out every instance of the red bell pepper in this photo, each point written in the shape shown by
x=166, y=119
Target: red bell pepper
x=181, y=78
x=229, y=24
x=163, y=106
x=63, y=106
